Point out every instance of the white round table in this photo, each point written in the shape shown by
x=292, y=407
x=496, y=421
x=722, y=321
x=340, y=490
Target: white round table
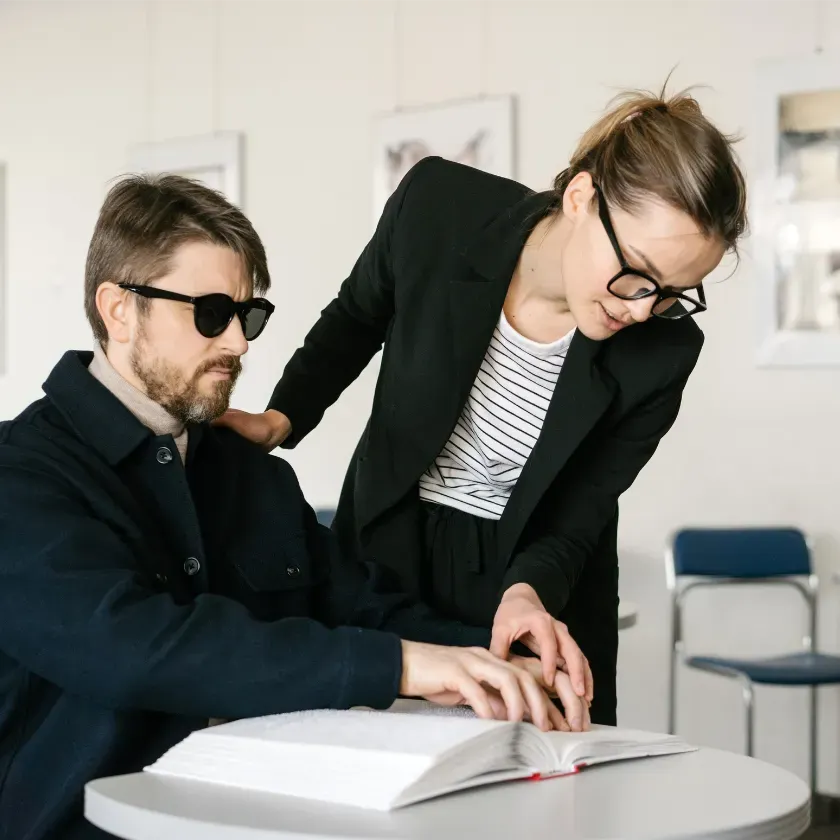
x=708, y=794
x=628, y=613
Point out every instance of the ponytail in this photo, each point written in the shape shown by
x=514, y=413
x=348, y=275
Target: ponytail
x=649, y=145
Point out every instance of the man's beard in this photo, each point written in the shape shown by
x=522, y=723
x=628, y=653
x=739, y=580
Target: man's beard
x=181, y=397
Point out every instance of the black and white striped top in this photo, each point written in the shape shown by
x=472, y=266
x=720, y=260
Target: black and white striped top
x=499, y=426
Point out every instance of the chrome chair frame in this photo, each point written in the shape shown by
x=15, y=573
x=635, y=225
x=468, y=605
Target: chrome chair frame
x=680, y=585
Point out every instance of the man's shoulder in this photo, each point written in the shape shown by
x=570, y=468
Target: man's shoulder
x=35, y=431
x=253, y=458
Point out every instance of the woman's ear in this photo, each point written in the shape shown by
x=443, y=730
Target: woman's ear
x=116, y=311
x=578, y=196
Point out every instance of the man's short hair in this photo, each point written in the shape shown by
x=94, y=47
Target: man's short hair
x=146, y=218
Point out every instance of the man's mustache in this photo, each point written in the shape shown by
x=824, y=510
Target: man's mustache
x=231, y=364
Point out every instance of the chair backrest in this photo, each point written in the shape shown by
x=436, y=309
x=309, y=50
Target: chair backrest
x=711, y=556
x=741, y=553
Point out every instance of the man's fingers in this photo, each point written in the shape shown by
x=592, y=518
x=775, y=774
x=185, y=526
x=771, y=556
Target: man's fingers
x=476, y=697
x=537, y=700
x=503, y=678
x=558, y=722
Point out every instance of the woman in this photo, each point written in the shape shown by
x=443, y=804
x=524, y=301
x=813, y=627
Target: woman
x=536, y=346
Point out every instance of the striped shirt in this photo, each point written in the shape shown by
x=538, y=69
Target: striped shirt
x=499, y=425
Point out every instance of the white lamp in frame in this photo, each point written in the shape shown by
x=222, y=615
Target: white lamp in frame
x=214, y=159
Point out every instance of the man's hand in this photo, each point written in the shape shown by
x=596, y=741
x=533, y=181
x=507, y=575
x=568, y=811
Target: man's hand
x=267, y=430
x=521, y=616
x=494, y=689
x=576, y=708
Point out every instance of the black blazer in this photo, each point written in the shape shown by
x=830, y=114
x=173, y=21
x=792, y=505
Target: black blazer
x=430, y=286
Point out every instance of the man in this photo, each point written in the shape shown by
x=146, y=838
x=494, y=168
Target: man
x=156, y=572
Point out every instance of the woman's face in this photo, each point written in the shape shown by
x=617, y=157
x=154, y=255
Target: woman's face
x=657, y=239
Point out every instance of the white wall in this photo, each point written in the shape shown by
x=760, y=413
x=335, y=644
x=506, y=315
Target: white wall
x=81, y=81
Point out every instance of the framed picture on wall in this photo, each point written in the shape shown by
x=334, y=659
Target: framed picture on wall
x=214, y=159
x=476, y=132
x=796, y=212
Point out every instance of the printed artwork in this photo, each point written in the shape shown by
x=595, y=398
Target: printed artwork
x=477, y=133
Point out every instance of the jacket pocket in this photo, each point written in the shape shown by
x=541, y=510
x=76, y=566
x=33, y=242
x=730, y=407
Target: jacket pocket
x=278, y=568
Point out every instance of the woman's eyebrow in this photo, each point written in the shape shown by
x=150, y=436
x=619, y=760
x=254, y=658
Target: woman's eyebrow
x=648, y=264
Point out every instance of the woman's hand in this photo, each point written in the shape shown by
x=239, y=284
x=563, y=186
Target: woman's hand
x=267, y=430
x=521, y=616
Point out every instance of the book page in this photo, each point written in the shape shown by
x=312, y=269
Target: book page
x=356, y=729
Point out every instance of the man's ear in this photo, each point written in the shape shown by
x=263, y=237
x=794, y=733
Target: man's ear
x=116, y=311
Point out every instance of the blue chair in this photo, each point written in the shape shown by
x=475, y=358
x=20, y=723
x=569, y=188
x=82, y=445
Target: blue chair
x=710, y=557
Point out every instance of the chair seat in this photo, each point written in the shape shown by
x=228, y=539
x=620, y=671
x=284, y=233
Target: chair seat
x=793, y=669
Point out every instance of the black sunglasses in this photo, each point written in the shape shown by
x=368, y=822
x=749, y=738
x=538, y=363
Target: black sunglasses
x=632, y=284
x=213, y=313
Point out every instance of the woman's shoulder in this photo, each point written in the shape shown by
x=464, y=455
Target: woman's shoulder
x=452, y=190
x=656, y=349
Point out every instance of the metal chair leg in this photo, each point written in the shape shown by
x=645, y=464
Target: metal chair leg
x=748, y=696
x=813, y=738
x=672, y=693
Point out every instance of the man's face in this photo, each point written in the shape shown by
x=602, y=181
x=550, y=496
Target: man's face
x=191, y=376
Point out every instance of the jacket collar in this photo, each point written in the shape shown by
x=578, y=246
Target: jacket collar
x=494, y=252
x=96, y=415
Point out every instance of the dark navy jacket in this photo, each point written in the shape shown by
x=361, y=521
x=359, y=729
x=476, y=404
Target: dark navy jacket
x=139, y=597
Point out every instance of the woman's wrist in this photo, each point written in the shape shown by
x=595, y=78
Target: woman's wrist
x=281, y=426
x=523, y=590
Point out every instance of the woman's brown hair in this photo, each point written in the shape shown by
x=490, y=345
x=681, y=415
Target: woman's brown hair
x=656, y=145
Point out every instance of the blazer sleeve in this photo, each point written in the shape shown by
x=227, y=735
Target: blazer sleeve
x=350, y=331
x=567, y=525
x=76, y=610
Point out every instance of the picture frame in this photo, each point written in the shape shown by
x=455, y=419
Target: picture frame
x=214, y=159
x=478, y=132
x=795, y=210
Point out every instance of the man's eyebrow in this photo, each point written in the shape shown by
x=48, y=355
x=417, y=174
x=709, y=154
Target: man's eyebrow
x=652, y=269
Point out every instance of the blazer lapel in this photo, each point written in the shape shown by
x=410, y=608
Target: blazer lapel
x=479, y=280
x=477, y=297
x=474, y=305
x=581, y=397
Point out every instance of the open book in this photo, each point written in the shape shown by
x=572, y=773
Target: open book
x=385, y=760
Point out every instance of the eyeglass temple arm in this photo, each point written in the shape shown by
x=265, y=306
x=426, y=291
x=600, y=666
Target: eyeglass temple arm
x=155, y=292
x=607, y=223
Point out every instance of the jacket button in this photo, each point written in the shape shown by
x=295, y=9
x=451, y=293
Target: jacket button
x=292, y=571
x=164, y=455
x=192, y=566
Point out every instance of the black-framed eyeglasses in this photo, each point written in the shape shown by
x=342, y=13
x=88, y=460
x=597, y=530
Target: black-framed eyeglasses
x=213, y=313
x=632, y=284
